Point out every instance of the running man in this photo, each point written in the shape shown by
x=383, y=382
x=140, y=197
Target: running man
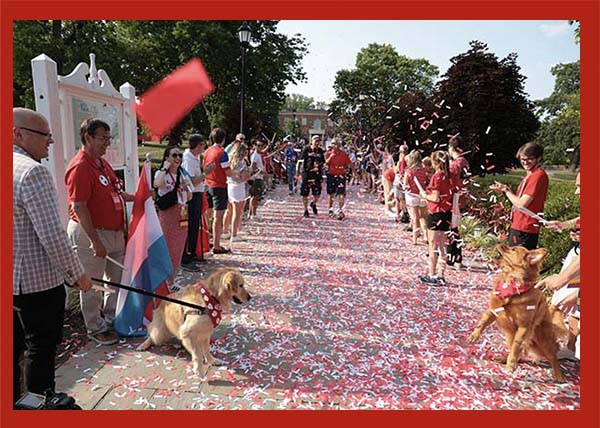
x=338, y=163
x=313, y=159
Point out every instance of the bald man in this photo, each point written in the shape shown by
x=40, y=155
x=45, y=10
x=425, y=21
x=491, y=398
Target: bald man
x=43, y=260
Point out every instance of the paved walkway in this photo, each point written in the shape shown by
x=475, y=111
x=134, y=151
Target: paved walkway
x=338, y=321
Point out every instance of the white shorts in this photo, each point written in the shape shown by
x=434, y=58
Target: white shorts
x=414, y=200
x=236, y=192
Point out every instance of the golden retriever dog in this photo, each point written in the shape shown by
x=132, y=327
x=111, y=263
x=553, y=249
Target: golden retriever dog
x=521, y=311
x=192, y=326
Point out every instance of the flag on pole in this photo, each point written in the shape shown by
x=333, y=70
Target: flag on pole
x=147, y=263
x=165, y=104
x=203, y=241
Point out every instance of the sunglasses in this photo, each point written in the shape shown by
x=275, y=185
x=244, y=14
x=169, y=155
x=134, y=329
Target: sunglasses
x=48, y=135
x=177, y=155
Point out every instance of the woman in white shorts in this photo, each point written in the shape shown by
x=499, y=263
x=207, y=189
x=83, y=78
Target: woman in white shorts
x=236, y=187
x=417, y=206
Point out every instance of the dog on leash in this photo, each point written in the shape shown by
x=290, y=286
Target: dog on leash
x=192, y=326
x=521, y=311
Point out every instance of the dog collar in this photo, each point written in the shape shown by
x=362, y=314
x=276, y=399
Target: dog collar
x=504, y=289
x=212, y=304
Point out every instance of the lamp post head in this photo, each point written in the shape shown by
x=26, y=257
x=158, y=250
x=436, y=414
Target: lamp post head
x=244, y=33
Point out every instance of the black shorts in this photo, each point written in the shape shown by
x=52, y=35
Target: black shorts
x=439, y=221
x=524, y=239
x=311, y=185
x=257, y=187
x=336, y=184
x=217, y=198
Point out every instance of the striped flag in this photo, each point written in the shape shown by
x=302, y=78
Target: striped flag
x=147, y=263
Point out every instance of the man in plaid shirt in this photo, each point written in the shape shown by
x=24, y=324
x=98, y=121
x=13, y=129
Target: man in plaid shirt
x=43, y=260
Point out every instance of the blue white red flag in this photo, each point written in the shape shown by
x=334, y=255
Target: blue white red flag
x=147, y=263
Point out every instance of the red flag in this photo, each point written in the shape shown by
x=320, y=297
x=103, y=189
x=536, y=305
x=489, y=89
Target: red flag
x=203, y=241
x=166, y=103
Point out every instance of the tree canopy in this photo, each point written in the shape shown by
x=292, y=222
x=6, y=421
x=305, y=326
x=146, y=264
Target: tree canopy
x=144, y=52
x=298, y=102
x=381, y=77
x=480, y=97
x=488, y=106
x=559, y=132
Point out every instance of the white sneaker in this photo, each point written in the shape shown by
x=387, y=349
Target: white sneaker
x=226, y=236
x=236, y=239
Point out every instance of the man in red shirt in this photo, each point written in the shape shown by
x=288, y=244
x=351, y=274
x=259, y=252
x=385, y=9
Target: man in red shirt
x=215, y=157
x=96, y=224
x=531, y=194
x=338, y=163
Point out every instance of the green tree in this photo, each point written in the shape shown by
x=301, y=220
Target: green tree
x=144, y=52
x=485, y=102
x=298, y=102
x=66, y=42
x=576, y=29
x=559, y=113
x=365, y=94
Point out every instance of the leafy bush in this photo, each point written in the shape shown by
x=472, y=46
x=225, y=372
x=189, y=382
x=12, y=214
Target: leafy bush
x=493, y=212
x=475, y=236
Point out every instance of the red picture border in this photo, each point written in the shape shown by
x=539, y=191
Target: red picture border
x=586, y=11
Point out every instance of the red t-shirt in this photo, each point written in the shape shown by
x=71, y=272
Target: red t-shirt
x=217, y=178
x=266, y=162
x=402, y=162
x=99, y=187
x=421, y=173
x=337, y=164
x=536, y=185
x=444, y=185
x=459, y=170
x=389, y=174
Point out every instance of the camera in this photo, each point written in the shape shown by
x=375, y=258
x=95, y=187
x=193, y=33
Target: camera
x=49, y=401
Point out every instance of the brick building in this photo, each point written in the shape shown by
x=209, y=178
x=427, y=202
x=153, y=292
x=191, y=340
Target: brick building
x=308, y=123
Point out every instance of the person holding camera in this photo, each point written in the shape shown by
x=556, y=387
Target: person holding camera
x=43, y=260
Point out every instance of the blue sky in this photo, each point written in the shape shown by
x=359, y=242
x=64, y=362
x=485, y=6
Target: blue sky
x=333, y=46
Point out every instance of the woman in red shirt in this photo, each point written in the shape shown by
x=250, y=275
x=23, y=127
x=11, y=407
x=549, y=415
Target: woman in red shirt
x=439, y=201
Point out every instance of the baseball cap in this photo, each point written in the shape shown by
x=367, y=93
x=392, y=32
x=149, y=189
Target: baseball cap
x=316, y=137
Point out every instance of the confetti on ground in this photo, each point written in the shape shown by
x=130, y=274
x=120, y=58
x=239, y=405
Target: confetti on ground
x=338, y=320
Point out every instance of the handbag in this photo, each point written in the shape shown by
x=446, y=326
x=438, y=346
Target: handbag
x=169, y=199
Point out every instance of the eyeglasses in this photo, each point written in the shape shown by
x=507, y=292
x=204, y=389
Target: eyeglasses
x=48, y=135
x=105, y=139
x=177, y=155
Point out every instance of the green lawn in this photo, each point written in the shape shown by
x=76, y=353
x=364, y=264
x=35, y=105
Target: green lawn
x=156, y=152
x=554, y=174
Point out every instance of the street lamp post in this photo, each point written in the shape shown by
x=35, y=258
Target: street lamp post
x=294, y=122
x=244, y=34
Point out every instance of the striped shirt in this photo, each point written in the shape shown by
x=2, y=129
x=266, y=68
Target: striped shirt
x=42, y=255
